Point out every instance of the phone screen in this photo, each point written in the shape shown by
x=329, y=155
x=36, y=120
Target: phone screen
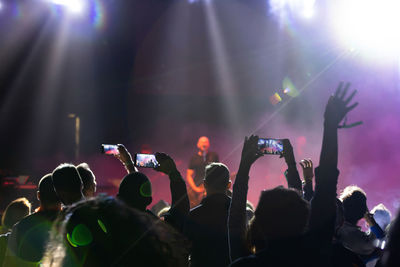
x=270, y=146
x=146, y=161
x=109, y=149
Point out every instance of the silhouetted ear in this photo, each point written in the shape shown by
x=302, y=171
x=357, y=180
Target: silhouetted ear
x=38, y=195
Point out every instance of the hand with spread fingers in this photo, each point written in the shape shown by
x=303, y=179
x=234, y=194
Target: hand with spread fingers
x=339, y=105
x=308, y=170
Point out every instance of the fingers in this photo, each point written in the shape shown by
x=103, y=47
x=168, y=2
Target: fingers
x=339, y=89
x=343, y=94
x=306, y=163
x=347, y=101
x=351, y=107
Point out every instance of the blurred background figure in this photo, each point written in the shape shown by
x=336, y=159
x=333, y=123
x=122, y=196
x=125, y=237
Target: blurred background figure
x=196, y=170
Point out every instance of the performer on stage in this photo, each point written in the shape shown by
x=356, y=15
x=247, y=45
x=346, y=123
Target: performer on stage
x=196, y=170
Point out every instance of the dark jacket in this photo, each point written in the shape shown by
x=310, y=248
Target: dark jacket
x=207, y=229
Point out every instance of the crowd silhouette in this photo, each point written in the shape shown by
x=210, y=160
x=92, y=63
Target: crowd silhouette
x=304, y=224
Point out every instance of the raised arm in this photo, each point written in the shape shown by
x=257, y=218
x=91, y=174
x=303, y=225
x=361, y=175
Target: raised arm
x=323, y=205
x=291, y=174
x=237, y=211
x=308, y=175
x=180, y=201
x=335, y=111
x=126, y=159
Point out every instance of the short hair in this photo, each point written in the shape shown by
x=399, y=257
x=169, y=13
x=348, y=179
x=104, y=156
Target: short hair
x=135, y=190
x=66, y=178
x=281, y=213
x=354, y=202
x=217, y=176
x=15, y=211
x=46, y=189
x=382, y=215
x=87, y=176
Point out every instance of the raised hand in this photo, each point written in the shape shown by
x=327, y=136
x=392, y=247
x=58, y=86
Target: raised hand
x=126, y=159
x=124, y=156
x=307, y=166
x=338, y=105
x=166, y=163
x=288, y=152
x=250, y=152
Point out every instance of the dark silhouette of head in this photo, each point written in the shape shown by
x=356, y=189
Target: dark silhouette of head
x=106, y=232
x=354, y=202
x=47, y=195
x=216, y=179
x=88, y=180
x=135, y=191
x=67, y=183
x=15, y=211
x=281, y=214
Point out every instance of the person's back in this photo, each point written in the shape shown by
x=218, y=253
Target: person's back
x=29, y=237
x=207, y=223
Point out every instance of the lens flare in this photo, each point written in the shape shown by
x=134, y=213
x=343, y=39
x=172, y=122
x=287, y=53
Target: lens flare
x=98, y=15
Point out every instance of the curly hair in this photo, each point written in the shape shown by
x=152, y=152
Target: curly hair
x=105, y=232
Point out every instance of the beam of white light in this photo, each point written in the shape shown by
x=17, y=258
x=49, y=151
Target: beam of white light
x=75, y=6
x=303, y=8
x=368, y=25
x=1, y=5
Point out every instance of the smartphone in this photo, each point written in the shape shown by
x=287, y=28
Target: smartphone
x=146, y=161
x=270, y=146
x=109, y=149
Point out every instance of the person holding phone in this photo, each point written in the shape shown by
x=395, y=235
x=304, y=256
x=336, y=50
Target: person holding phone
x=196, y=170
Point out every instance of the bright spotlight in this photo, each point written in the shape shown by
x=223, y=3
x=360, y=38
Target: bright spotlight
x=368, y=25
x=75, y=6
x=1, y=5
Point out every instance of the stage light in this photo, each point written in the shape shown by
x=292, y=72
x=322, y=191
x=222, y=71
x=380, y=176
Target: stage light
x=368, y=26
x=74, y=6
x=1, y=5
x=303, y=8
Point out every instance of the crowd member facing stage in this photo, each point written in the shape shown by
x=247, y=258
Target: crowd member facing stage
x=135, y=188
x=88, y=180
x=68, y=184
x=353, y=238
x=196, y=170
x=15, y=211
x=28, y=239
x=206, y=225
x=105, y=232
x=286, y=229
